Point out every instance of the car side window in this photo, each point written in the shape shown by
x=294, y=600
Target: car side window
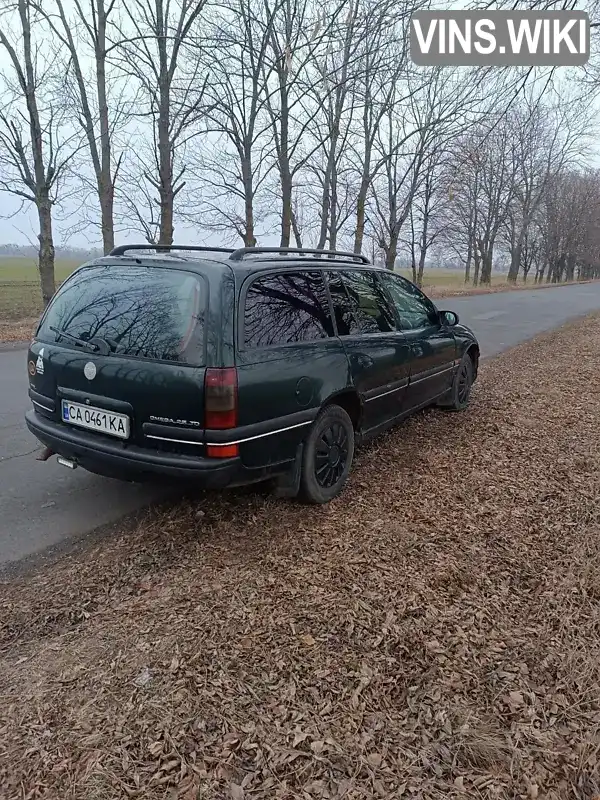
x=286, y=308
x=359, y=304
x=414, y=309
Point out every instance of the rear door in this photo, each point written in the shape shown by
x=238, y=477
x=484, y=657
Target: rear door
x=289, y=361
x=432, y=345
x=378, y=353
x=148, y=323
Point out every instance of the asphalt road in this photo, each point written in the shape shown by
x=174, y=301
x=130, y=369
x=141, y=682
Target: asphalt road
x=43, y=504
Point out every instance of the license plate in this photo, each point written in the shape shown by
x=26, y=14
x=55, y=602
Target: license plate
x=96, y=419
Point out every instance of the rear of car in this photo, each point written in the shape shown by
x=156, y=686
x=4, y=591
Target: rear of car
x=130, y=365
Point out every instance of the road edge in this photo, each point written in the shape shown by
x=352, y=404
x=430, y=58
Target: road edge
x=6, y=347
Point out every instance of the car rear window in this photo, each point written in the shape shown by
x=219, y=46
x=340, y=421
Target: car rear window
x=144, y=312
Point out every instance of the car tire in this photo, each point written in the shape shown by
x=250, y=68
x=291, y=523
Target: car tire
x=462, y=383
x=327, y=456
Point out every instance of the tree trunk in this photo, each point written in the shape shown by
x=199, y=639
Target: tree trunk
x=286, y=209
x=477, y=260
x=365, y=180
x=46, y=249
x=391, y=252
x=468, y=261
x=296, y=229
x=284, y=169
x=249, y=237
x=107, y=215
x=165, y=173
x=423, y=253
x=333, y=209
x=165, y=160
x=516, y=250
x=361, y=207
x=419, y=280
x=556, y=268
x=539, y=275
x=515, y=261
x=486, y=248
x=166, y=215
x=324, y=214
x=106, y=187
x=486, y=269
x=326, y=201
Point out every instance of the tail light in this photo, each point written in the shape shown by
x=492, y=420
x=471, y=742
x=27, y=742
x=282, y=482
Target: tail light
x=221, y=407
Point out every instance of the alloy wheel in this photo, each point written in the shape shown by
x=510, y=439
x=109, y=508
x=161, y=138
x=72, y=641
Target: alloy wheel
x=464, y=384
x=331, y=455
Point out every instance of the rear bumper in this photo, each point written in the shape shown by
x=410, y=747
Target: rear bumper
x=130, y=462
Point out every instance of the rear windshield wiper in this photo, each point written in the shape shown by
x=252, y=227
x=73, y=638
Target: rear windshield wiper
x=76, y=339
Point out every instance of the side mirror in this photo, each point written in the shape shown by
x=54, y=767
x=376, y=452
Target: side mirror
x=448, y=318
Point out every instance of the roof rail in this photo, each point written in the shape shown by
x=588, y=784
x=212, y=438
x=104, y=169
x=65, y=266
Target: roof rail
x=161, y=248
x=238, y=255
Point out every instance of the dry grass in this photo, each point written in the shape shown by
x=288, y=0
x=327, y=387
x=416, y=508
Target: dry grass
x=434, y=633
x=20, y=296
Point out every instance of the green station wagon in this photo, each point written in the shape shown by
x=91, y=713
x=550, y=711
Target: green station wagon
x=231, y=367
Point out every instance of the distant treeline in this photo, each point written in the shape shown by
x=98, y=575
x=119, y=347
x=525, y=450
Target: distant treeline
x=29, y=251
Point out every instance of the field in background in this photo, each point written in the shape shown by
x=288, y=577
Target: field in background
x=20, y=296
x=25, y=269
x=450, y=278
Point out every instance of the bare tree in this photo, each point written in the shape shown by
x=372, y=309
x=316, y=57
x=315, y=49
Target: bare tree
x=393, y=194
x=506, y=185
x=34, y=153
x=299, y=30
x=331, y=93
x=571, y=221
x=460, y=182
x=414, y=128
x=92, y=94
x=427, y=222
x=159, y=48
x=489, y=155
x=545, y=141
x=233, y=155
x=383, y=62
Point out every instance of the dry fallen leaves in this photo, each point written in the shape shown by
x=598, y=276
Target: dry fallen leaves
x=17, y=330
x=452, y=597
